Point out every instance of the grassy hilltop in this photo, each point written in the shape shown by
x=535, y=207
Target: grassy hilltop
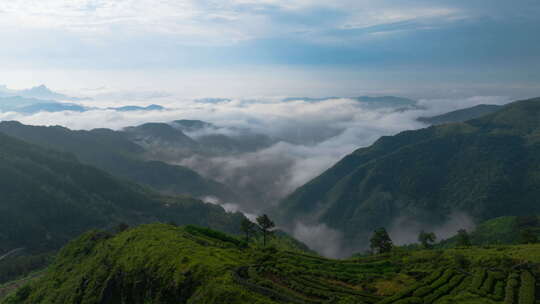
x=161, y=263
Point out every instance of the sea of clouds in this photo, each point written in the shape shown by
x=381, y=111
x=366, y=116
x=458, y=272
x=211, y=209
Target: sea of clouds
x=312, y=136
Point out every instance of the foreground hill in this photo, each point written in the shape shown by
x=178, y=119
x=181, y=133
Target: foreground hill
x=115, y=153
x=483, y=168
x=49, y=197
x=161, y=263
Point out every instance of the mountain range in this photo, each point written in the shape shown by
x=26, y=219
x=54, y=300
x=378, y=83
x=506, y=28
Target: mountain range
x=371, y=102
x=38, y=92
x=49, y=197
x=114, y=152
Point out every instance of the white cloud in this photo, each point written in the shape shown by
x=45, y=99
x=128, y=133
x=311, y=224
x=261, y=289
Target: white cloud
x=321, y=238
x=315, y=135
x=208, y=22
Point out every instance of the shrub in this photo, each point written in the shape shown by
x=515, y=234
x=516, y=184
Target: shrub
x=488, y=284
x=460, y=260
x=510, y=289
x=498, y=292
x=478, y=279
x=411, y=300
x=215, y=235
x=444, y=290
x=423, y=291
x=526, y=290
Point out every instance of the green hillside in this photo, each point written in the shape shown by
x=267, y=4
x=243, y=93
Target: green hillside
x=49, y=197
x=161, y=263
x=501, y=230
x=484, y=168
x=115, y=153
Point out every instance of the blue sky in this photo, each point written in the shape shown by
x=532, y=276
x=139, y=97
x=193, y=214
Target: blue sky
x=342, y=47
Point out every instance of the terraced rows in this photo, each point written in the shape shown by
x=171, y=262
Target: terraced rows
x=448, y=286
x=295, y=278
x=309, y=279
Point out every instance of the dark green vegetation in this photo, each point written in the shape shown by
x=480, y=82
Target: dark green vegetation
x=461, y=115
x=485, y=168
x=116, y=153
x=162, y=263
x=49, y=197
x=501, y=230
x=380, y=242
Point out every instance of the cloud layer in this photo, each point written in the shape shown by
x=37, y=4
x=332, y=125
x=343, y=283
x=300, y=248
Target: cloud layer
x=310, y=137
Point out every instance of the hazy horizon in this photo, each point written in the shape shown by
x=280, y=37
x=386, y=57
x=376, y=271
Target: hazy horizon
x=242, y=48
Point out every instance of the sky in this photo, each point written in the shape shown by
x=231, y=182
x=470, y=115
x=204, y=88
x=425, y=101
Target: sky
x=238, y=48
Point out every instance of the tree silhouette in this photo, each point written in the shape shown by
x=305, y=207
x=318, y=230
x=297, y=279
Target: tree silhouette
x=266, y=225
x=527, y=236
x=380, y=242
x=121, y=227
x=427, y=239
x=248, y=227
x=463, y=238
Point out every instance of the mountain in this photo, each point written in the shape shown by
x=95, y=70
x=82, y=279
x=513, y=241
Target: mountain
x=461, y=115
x=16, y=103
x=212, y=100
x=115, y=153
x=165, y=264
x=424, y=179
x=152, y=107
x=500, y=230
x=387, y=102
x=188, y=125
x=169, y=141
x=33, y=105
x=310, y=99
x=49, y=197
x=160, y=136
x=51, y=107
x=371, y=102
x=38, y=92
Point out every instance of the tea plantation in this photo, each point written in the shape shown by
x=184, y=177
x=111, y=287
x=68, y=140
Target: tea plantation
x=161, y=263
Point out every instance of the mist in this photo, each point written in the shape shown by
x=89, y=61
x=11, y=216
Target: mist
x=405, y=230
x=308, y=138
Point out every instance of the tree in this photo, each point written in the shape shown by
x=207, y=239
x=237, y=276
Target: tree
x=265, y=225
x=463, y=238
x=121, y=227
x=380, y=242
x=527, y=236
x=248, y=227
x=427, y=239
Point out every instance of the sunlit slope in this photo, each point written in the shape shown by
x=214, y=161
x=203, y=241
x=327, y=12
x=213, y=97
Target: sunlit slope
x=161, y=263
x=483, y=168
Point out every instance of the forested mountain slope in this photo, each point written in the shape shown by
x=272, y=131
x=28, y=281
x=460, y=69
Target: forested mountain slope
x=115, y=153
x=483, y=168
x=461, y=115
x=49, y=197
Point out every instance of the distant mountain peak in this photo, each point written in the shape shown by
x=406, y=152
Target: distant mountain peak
x=40, y=92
